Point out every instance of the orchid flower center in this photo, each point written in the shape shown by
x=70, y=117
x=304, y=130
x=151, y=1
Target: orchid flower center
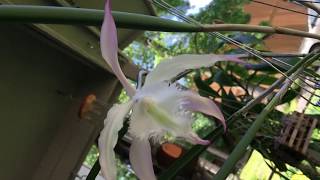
x=157, y=112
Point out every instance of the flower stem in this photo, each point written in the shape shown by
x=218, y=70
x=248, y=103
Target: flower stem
x=94, y=17
x=241, y=148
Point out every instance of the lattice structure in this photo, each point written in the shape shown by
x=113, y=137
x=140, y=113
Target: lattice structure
x=297, y=131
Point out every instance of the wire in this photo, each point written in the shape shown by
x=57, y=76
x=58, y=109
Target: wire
x=316, y=2
x=248, y=49
x=244, y=47
x=287, y=9
x=254, y=52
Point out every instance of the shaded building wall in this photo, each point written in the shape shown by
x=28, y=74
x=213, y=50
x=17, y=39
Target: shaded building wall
x=279, y=17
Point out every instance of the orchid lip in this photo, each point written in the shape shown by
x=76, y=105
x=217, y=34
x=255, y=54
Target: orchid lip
x=147, y=102
x=157, y=112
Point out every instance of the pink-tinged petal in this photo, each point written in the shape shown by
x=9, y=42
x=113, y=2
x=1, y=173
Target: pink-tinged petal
x=141, y=160
x=195, y=139
x=109, y=48
x=171, y=67
x=109, y=137
x=195, y=102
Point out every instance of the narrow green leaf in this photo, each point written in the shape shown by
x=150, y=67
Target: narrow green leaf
x=290, y=95
x=204, y=89
x=222, y=78
x=263, y=79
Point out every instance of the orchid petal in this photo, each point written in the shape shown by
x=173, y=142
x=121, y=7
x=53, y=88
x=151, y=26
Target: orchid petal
x=172, y=67
x=195, y=139
x=109, y=48
x=109, y=137
x=195, y=102
x=141, y=160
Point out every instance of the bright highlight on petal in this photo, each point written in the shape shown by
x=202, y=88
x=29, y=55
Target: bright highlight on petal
x=109, y=48
x=109, y=137
x=172, y=67
x=141, y=160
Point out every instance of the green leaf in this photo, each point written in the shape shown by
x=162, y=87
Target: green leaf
x=264, y=79
x=290, y=95
x=292, y=61
x=258, y=108
x=204, y=89
x=223, y=79
x=229, y=103
x=265, y=67
x=239, y=70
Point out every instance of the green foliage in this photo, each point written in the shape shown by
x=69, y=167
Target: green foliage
x=181, y=4
x=204, y=87
x=124, y=170
x=150, y=49
x=263, y=79
x=265, y=23
x=230, y=11
x=92, y=156
x=256, y=168
x=123, y=97
x=290, y=95
x=203, y=125
x=222, y=78
x=312, y=109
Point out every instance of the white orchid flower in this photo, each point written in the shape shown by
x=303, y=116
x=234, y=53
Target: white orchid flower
x=157, y=108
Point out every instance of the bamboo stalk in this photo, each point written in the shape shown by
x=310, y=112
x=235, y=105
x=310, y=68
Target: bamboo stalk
x=90, y=17
x=241, y=148
x=94, y=17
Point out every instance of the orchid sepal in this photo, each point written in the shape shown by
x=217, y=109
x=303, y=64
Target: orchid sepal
x=171, y=67
x=109, y=137
x=109, y=48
